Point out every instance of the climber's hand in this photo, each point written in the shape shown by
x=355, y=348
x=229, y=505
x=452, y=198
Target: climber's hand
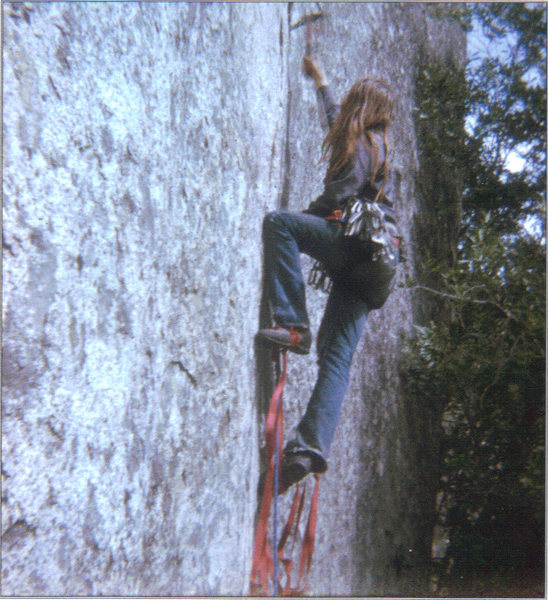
x=311, y=69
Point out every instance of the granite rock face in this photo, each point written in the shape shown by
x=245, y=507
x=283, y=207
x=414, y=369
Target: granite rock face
x=143, y=144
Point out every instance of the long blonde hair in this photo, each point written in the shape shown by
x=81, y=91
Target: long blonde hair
x=366, y=108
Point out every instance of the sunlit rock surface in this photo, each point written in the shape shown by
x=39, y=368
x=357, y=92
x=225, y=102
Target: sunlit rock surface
x=143, y=144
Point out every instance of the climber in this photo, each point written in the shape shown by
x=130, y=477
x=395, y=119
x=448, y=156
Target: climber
x=356, y=148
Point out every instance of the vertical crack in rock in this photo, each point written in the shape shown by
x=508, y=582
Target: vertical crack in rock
x=284, y=198
x=265, y=372
x=264, y=369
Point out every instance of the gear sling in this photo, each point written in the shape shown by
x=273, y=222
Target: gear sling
x=265, y=566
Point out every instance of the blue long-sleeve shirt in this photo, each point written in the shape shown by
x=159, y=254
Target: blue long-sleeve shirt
x=355, y=178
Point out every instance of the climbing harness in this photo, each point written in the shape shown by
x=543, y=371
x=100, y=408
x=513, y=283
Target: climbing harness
x=265, y=569
x=371, y=232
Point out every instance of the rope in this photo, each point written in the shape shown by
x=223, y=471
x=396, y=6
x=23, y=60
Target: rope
x=263, y=559
x=276, y=491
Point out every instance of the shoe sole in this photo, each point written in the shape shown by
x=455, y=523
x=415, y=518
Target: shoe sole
x=292, y=475
x=278, y=342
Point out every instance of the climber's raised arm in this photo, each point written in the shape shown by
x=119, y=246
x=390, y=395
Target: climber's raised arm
x=312, y=70
x=326, y=103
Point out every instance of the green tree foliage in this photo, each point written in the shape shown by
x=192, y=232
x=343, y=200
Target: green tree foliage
x=507, y=114
x=485, y=363
x=486, y=368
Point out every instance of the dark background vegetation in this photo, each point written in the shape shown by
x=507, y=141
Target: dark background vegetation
x=478, y=358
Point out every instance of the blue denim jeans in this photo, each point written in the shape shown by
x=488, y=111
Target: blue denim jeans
x=285, y=235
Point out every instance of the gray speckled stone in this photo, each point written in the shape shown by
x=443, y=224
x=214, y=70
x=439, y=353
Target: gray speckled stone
x=143, y=143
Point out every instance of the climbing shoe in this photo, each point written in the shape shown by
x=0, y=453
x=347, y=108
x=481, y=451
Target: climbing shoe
x=293, y=471
x=295, y=466
x=294, y=339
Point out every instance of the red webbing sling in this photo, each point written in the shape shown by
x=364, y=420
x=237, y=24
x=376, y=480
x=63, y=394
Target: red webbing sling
x=263, y=570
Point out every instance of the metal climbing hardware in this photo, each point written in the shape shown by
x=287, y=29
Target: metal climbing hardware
x=372, y=223
x=266, y=579
x=319, y=278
